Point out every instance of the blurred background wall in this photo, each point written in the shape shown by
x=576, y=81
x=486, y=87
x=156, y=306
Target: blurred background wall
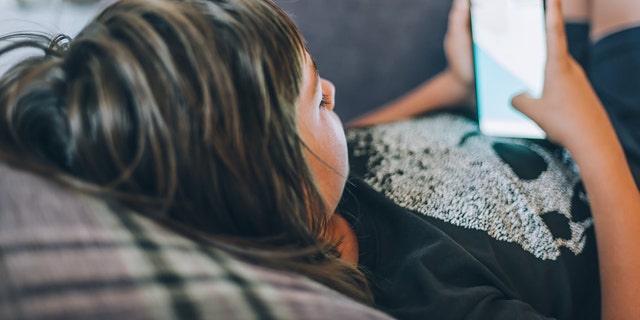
x=48, y=16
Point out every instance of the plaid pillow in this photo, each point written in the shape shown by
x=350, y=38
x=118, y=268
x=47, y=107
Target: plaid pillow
x=67, y=255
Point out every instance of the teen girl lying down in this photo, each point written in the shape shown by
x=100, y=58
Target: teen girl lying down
x=210, y=117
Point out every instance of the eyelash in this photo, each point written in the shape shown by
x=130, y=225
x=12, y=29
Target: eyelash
x=325, y=101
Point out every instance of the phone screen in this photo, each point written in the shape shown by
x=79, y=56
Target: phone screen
x=509, y=49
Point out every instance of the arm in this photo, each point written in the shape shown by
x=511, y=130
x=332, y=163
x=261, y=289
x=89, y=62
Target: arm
x=452, y=87
x=571, y=114
x=443, y=90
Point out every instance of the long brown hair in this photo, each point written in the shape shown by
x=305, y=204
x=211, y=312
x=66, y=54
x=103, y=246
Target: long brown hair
x=186, y=112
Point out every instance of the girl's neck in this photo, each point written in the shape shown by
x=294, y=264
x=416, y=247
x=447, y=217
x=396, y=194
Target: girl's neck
x=342, y=232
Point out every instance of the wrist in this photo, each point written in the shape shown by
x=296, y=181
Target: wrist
x=461, y=91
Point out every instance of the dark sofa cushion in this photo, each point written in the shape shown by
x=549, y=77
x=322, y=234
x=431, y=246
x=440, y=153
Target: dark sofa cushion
x=372, y=50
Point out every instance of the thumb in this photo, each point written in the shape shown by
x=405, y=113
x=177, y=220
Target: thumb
x=525, y=103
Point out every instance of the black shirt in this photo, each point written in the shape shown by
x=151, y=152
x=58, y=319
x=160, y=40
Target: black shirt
x=513, y=262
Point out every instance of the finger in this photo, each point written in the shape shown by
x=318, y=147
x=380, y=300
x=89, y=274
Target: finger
x=557, y=49
x=459, y=15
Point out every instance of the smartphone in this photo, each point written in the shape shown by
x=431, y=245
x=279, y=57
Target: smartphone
x=509, y=54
